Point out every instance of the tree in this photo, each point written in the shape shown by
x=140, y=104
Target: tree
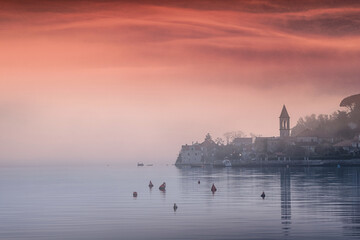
x=227, y=136
x=340, y=124
x=230, y=136
x=351, y=102
x=208, y=138
x=310, y=122
x=219, y=141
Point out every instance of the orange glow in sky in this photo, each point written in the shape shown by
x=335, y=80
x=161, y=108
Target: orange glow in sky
x=121, y=82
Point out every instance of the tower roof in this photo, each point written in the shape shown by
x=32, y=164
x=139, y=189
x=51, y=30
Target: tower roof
x=284, y=113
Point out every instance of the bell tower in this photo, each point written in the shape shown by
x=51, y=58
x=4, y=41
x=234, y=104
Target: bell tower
x=284, y=123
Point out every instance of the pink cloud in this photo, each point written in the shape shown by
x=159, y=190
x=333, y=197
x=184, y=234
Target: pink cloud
x=167, y=72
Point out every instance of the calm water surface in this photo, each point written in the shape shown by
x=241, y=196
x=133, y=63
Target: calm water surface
x=97, y=203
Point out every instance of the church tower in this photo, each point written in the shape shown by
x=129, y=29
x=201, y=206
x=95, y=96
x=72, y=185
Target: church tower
x=284, y=123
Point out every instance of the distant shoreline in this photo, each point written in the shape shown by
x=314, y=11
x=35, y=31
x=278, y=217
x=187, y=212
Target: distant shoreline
x=280, y=163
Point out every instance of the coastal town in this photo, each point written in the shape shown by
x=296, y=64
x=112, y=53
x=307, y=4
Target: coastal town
x=314, y=141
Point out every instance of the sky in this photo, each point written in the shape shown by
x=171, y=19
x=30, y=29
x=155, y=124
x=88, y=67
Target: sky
x=111, y=82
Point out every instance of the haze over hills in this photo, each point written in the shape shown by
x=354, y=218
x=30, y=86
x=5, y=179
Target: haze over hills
x=317, y=141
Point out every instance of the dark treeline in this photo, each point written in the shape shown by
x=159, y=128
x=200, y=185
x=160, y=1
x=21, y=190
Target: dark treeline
x=341, y=124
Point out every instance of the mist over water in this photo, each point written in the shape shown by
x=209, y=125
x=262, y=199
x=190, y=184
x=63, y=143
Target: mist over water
x=97, y=203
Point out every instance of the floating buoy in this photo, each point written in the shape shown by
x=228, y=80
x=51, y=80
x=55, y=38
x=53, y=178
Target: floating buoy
x=213, y=188
x=134, y=194
x=162, y=186
x=263, y=195
x=175, y=206
x=151, y=185
x=199, y=182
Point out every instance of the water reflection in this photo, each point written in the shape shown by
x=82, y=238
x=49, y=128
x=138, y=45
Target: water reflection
x=351, y=219
x=285, y=186
x=321, y=195
x=89, y=203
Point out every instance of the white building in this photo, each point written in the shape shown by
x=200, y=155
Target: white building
x=191, y=155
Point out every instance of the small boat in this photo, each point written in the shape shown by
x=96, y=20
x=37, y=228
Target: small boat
x=151, y=184
x=140, y=164
x=227, y=163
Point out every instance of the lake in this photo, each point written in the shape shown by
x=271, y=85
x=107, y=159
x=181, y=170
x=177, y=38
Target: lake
x=98, y=203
